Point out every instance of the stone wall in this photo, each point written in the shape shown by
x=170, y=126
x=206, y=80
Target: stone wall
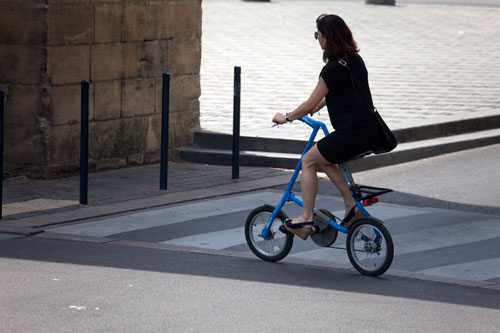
x=47, y=47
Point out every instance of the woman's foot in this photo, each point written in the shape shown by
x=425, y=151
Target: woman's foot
x=301, y=229
x=352, y=215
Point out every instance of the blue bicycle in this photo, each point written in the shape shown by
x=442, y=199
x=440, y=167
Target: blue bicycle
x=369, y=244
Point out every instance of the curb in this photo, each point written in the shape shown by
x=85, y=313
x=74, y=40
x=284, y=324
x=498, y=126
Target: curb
x=35, y=224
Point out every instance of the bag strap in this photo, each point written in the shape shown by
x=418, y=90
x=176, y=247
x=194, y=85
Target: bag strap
x=355, y=84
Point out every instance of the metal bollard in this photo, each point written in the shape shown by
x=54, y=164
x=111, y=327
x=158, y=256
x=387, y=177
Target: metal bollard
x=1, y=150
x=165, y=100
x=236, y=122
x=84, y=144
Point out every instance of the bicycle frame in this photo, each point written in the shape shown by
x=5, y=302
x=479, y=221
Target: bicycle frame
x=288, y=196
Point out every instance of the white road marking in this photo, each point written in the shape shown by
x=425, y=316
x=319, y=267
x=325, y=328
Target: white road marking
x=476, y=270
x=170, y=215
x=445, y=236
x=217, y=240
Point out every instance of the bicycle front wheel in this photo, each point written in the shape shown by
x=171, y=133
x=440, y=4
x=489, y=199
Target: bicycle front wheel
x=369, y=246
x=274, y=247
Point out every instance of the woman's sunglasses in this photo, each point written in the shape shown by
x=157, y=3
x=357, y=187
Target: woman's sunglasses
x=316, y=34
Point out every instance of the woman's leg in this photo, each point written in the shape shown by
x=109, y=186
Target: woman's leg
x=309, y=183
x=333, y=172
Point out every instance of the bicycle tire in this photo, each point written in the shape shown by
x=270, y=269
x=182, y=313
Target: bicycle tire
x=278, y=245
x=369, y=246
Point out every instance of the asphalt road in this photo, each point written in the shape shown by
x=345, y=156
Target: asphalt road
x=53, y=285
x=187, y=268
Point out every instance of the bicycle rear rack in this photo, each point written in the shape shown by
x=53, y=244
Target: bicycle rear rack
x=361, y=192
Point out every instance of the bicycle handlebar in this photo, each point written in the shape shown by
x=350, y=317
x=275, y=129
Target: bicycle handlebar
x=315, y=124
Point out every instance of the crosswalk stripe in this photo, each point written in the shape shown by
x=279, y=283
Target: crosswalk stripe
x=445, y=236
x=417, y=241
x=213, y=240
x=170, y=215
x=477, y=270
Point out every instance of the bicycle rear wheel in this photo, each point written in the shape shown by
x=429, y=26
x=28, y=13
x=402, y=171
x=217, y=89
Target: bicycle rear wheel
x=369, y=246
x=277, y=245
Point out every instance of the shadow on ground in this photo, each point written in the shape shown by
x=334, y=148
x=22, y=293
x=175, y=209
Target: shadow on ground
x=245, y=269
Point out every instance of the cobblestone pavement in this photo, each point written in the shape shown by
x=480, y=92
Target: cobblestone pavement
x=24, y=198
x=427, y=63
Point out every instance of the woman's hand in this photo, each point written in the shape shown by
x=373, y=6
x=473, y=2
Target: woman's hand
x=279, y=118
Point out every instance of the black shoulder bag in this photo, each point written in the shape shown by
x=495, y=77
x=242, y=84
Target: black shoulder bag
x=389, y=140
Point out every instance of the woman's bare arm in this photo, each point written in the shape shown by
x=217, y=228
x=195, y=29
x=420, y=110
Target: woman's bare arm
x=310, y=106
x=319, y=106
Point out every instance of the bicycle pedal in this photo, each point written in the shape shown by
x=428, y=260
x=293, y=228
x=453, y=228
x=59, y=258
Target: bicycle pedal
x=283, y=230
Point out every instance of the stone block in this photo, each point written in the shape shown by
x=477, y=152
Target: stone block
x=185, y=91
x=184, y=19
x=153, y=134
x=104, y=138
x=23, y=24
x=153, y=61
x=50, y=2
x=110, y=163
x=142, y=134
x=184, y=55
x=135, y=159
x=153, y=157
x=164, y=18
x=21, y=64
x=66, y=104
x=22, y=105
x=68, y=64
x=131, y=59
x=63, y=144
x=107, y=100
x=138, y=97
x=106, y=62
x=140, y=22
x=144, y=59
x=71, y=23
x=23, y=146
x=186, y=122
x=108, y=23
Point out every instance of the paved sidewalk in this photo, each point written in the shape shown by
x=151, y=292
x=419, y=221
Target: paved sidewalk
x=35, y=203
x=427, y=63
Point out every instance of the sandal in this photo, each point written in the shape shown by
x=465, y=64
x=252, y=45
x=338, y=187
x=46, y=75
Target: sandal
x=302, y=229
x=351, y=217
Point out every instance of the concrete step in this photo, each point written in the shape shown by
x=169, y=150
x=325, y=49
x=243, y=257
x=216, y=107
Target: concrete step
x=405, y=152
x=218, y=140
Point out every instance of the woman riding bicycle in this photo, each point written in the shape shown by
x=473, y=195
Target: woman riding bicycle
x=356, y=129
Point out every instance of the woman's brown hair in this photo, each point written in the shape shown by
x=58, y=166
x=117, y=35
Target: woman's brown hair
x=339, y=41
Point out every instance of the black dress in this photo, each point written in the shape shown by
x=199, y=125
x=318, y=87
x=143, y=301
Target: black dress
x=356, y=129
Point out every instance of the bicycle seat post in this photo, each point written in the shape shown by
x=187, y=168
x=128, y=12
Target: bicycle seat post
x=346, y=172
